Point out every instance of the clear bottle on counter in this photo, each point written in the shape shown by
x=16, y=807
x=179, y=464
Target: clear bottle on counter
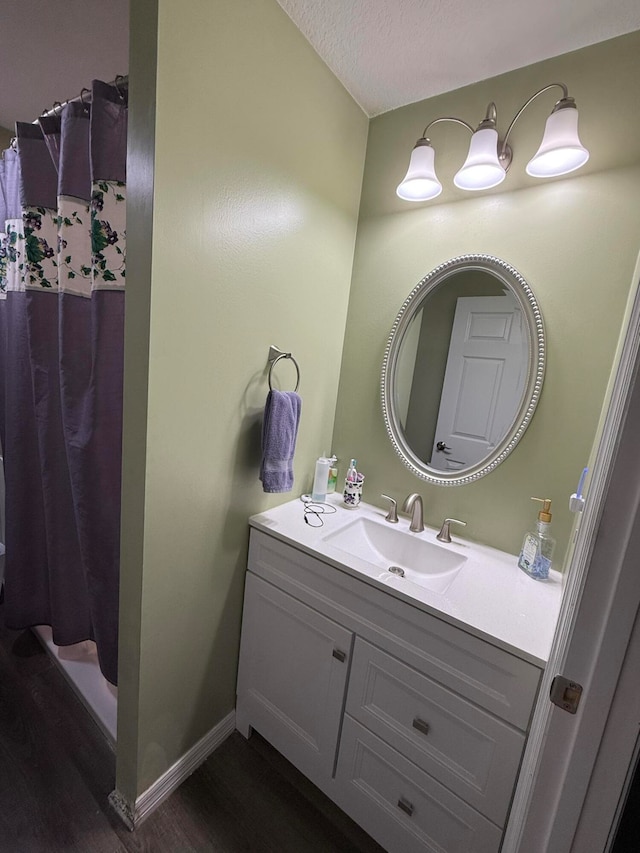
x=538, y=545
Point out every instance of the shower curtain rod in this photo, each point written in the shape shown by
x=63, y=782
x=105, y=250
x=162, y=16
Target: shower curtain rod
x=121, y=82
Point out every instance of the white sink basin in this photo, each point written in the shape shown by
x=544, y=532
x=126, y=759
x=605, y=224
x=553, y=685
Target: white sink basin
x=411, y=556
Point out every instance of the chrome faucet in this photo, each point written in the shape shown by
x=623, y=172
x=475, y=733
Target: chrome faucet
x=413, y=504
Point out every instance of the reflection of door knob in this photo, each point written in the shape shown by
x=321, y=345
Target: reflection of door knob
x=442, y=447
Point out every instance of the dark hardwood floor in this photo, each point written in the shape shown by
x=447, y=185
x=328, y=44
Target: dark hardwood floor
x=57, y=770
x=627, y=839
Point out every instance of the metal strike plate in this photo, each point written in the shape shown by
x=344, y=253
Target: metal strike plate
x=405, y=805
x=565, y=693
x=421, y=726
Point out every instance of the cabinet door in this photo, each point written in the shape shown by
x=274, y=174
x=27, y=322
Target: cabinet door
x=292, y=677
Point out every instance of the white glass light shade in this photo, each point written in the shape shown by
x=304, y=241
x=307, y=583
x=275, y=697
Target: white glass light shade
x=560, y=151
x=481, y=169
x=420, y=183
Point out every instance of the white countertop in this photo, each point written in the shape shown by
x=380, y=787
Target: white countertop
x=490, y=596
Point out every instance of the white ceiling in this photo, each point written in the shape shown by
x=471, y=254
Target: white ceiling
x=387, y=53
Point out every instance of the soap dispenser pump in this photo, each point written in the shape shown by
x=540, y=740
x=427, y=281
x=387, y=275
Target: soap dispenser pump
x=538, y=545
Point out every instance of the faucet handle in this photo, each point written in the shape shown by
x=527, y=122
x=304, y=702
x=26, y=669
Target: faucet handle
x=392, y=515
x=445, y=535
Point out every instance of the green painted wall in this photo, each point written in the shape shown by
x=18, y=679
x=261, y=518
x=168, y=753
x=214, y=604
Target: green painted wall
x=259, y=155
x=140, y=186
x=575, y=240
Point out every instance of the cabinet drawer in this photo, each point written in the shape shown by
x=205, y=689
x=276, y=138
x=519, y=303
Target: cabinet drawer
x=471, y=752
x=403, y=808
x=488, y=676
x=292, y=678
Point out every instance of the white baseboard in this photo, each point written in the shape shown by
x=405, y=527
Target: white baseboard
x=134, y=814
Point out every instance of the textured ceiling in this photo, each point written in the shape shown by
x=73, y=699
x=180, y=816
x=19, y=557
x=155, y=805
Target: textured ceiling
x=388, y=53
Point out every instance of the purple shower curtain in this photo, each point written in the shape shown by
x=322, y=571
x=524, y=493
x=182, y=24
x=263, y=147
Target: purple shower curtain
x=63, y=358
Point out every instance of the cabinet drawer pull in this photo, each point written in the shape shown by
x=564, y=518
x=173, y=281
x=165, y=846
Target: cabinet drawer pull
x=406, y=806
x=421, y=726
x=340, y=655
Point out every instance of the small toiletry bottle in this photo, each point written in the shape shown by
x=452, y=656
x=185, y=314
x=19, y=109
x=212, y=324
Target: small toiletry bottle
x=321, y=480
x=333, y=475
x=537, y=548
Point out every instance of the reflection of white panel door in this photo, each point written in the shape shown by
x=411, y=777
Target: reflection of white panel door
x=483, y=382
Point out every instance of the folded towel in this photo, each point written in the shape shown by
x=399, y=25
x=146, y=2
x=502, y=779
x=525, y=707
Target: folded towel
x=279, y=433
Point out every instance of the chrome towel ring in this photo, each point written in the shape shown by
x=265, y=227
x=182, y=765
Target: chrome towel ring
x=275, y=355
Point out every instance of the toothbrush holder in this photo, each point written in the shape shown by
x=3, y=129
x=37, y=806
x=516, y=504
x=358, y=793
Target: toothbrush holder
x=352, y=494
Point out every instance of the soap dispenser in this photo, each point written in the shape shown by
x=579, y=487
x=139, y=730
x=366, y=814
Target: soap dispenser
x=537, y=548
x=333, y=474
x=321, y=480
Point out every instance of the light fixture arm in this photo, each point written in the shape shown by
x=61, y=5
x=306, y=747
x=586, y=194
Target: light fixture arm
x=447, y=118
x=490, y=120
x=565, y=97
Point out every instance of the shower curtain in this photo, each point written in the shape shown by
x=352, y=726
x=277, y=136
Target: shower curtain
x=61, y=367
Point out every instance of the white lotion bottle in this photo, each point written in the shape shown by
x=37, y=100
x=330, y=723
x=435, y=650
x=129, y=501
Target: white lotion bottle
x=321, y=480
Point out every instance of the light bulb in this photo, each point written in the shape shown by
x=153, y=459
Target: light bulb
x=420, y=183
x=560, y=151
x=482, y=169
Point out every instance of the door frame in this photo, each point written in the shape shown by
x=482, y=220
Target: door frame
x=599, y=607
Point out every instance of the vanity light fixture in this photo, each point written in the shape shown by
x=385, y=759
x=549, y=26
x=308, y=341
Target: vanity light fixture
x=489, y=157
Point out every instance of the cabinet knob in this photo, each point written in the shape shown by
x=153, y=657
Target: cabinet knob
x=340, y=655
x=406, y=806
x=421, y=726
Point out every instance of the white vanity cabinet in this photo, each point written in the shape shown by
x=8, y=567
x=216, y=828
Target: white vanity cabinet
x=412, y=725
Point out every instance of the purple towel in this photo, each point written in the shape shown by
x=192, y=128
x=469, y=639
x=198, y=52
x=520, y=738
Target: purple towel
x=279, y=433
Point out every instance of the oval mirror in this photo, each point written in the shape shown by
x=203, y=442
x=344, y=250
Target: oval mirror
x=463, y=369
